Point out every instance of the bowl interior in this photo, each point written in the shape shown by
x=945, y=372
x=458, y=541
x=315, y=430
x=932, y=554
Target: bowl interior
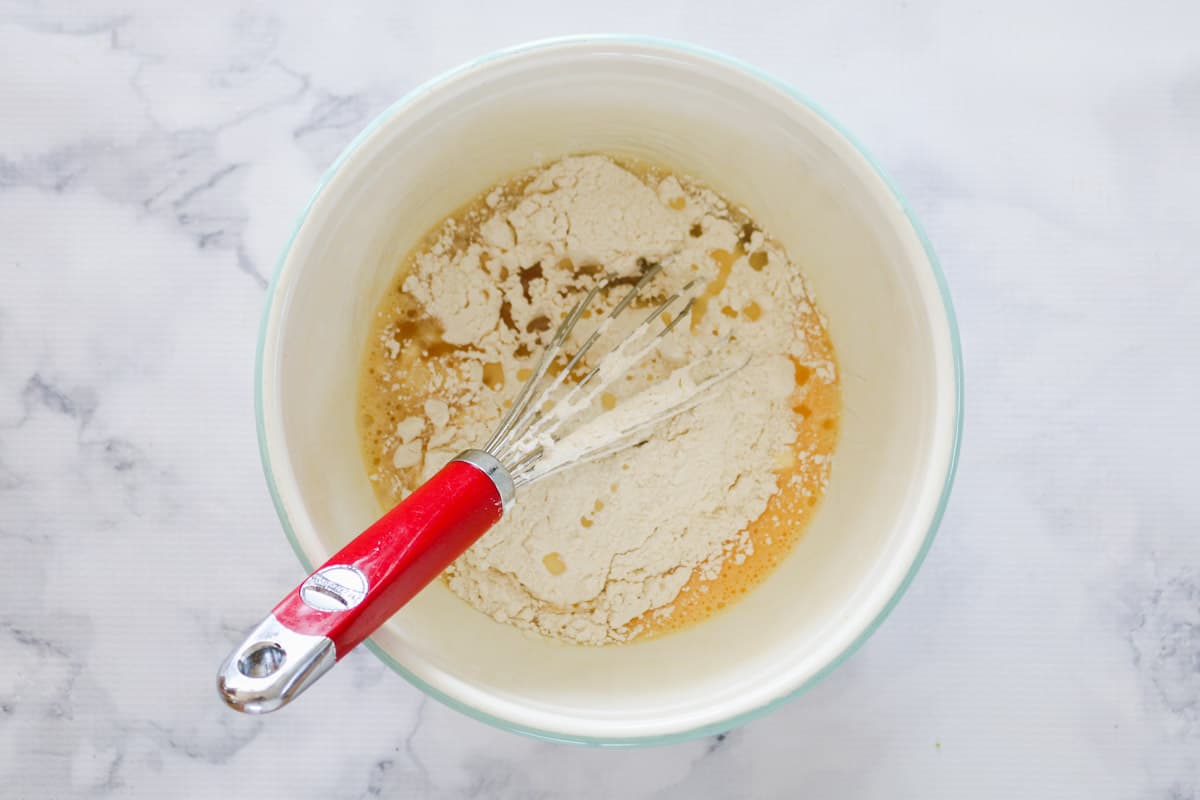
x=807, y=185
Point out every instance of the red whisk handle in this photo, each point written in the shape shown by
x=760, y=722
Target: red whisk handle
x=365, y=583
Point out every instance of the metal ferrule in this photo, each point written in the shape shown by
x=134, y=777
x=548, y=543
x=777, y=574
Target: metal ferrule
x=489, y=465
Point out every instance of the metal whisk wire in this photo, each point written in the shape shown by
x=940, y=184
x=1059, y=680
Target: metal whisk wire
x=518, y=442
x=532, y=469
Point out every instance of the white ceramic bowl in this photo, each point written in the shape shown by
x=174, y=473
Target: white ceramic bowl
x=753, y=139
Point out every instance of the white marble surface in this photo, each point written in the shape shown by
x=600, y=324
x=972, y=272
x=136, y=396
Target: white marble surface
x=151, y=163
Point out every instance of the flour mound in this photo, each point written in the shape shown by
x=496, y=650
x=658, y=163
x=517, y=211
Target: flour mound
x=587, y=553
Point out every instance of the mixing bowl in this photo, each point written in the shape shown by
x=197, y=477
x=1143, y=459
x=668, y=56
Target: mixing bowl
x=806, y=181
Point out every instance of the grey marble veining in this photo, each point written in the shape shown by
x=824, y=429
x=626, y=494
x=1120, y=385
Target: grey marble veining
x=152, y=160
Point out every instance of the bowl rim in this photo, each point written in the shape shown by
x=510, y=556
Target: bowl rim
x=651, y=43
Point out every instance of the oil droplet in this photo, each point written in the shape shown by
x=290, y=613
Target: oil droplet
x=803, y=373
x=493, y=375
x=427, y=334
x=696, y=232
x=753, y=311
x=729, y=311
x=724, y=260
x=608, y=401
x=599, y=505
x=538, y=324
x=554, y=563
x=527, y=276
x=524, y=374
x=758, y=259
x=585, y=522
x=678, y=203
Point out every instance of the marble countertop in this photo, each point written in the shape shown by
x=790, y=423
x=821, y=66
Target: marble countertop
x=151, y=164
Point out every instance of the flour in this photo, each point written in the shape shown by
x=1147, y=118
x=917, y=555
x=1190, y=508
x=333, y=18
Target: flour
x=591, y=553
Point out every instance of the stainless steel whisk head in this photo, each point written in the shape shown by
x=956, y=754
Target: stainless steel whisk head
x=546, y=406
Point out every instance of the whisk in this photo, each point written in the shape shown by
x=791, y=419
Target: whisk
x=372, y=577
